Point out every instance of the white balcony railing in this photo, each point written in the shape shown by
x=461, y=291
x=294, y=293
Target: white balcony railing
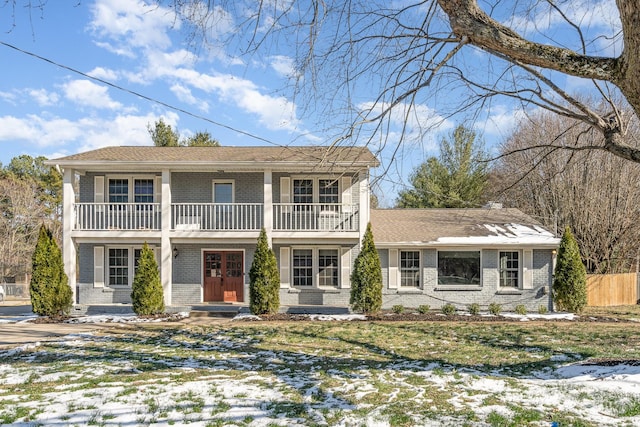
x=217, y=216
x=315, y=217
x=117, y=216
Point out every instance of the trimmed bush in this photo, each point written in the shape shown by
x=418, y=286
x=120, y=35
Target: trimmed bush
x=449, y=309
x=398, y=309
x=264, y=279
x=366, y=278
x=424, y=308
x=521, y=309
x=147, y=295
x=495, y=308
x=570, y=282
x=542, y=309
x=474, y=308
x=50, y=292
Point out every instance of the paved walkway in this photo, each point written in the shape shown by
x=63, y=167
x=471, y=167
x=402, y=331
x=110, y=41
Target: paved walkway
x=14, y=334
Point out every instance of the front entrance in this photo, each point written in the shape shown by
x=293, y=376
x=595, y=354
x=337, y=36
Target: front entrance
x=223, y=276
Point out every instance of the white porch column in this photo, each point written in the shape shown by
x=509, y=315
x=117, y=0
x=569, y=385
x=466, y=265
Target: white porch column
x=268, y=204
x=363, y=192
x=166, y=252
x=68, y=219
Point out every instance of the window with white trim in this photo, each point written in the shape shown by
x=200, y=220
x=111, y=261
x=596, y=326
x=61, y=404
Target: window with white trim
x=410, y=269
x=302, y=267
x=328, y=267
x=509, y=269
x=141, y=190
x=459, y=268
x=316, y=190
x=119, y=260
x=318, y=267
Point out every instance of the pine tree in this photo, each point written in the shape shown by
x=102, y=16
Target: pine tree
x=570, y=282
x=147, y=295
x=49, y=286
x=366, y=278
x=264, y=279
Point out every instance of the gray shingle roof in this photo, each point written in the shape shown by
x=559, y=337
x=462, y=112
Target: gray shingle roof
x=457, y=227
x=325, y=156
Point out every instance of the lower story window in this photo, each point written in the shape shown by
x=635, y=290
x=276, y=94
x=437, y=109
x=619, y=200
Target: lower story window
x=118, y=267
x=328, y=267
x=459, y=267
x=119, y=262
x=303, y=267
x=410, y=268
x=509, y=269
x=315, y=267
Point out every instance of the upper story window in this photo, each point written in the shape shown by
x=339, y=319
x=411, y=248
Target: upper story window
x=125, y=190
x=328, y=191
x=303, y=191
x=509, y=269
x=459, y=268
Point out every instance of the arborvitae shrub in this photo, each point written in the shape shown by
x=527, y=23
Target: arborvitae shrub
x=147, y=295
x=366, y=278
x=49, y=286
x=570, y=282
x=264, y=279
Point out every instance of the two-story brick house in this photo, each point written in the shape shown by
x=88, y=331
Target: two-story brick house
x=202, y=208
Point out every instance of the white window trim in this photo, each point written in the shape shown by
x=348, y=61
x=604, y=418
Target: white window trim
x=462, y=286
x=223, y=181
x=130, y=185
x=316, y=186
x=130, y=263
x=520, y=269
x=420, y=266
x=315, y=256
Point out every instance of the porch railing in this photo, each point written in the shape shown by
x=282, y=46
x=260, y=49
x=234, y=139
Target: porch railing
x=117, y=216
x=315, y=217
x=217, y=216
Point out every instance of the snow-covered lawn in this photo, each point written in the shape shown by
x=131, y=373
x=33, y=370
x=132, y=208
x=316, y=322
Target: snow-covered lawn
x=328, y=373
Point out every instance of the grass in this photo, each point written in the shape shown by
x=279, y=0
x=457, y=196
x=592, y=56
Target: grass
x=316, y=373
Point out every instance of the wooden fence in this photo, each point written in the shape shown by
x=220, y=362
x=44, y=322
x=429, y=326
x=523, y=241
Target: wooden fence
x=612, y=289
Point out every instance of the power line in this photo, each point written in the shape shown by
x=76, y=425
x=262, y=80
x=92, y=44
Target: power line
x=138, y=94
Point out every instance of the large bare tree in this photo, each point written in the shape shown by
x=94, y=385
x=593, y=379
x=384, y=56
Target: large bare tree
x=453, y=55
x=596, y=194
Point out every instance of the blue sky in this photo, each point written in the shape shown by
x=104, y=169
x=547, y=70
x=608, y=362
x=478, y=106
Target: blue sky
x=51, y=111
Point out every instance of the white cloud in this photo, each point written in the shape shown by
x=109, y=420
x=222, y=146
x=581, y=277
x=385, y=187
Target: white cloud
x=184, y=94
x=87, y=93
x=283, y=65
x=104, y=74
x=44, y=97
x=133, y=23
x=38, y=131
x=501, y=121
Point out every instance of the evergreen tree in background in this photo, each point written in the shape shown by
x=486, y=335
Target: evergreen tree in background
x=147, y=295
x=264, y=279
x=570, y=282
x=457, y=179
x=49, y=286
x=366, y=278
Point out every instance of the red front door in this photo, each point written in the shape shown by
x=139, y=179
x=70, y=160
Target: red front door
x=223, y=276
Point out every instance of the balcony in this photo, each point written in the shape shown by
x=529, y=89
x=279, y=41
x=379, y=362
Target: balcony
x=315, y=217
x=117, y=216
x=217, y=216
x=290, y=217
